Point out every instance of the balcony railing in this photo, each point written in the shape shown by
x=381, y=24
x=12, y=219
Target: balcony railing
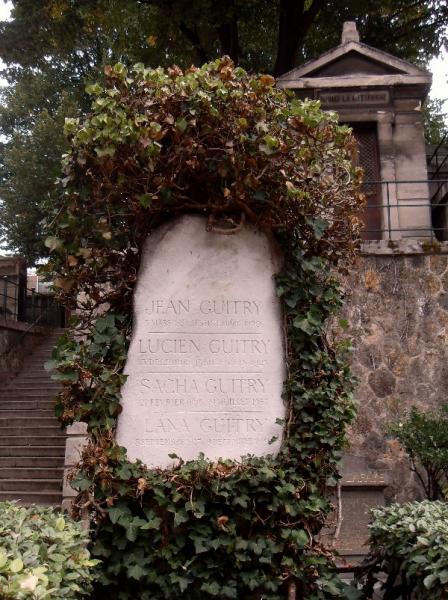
x=33, y=308
x=416, y=209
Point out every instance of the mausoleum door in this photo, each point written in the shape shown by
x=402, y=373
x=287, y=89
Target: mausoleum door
x=368, y=159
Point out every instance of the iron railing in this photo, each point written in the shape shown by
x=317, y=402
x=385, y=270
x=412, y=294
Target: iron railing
x=18, y=305
x=437, y=161
x=406, y=209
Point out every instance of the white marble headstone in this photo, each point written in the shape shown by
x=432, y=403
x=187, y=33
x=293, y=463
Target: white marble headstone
x=206, y=361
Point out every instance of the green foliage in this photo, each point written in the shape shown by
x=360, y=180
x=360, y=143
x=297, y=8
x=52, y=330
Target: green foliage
x=157, y=32
x=408, y=544
x=424, y=436
x=42, y=555
x=220, y=143
x=29, y=168
x=54, y=48
x=436, y=121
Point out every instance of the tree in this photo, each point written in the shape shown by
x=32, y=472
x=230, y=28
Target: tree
x=30, y=165
x=436, y=121
x=53, y=48
x=424, y=436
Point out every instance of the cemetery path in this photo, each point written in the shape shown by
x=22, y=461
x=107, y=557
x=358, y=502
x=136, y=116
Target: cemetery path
x=32, y=443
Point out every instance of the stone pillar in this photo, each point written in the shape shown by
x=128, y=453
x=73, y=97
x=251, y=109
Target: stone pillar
x=413, y=192
x=391, y=222
x=76, y=439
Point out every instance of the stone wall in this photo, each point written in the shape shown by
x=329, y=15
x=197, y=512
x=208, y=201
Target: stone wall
x=397, y=309
x=17, y=340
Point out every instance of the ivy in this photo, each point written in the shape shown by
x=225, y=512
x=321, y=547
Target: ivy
x=217, y=142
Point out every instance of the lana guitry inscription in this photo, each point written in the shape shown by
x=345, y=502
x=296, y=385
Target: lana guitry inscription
x=206, y=362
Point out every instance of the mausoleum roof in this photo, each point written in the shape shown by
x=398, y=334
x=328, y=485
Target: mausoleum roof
x=355, y=64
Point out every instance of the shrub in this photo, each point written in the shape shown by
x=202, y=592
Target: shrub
x=424, y=436
x=409, y=543
x=42, y=555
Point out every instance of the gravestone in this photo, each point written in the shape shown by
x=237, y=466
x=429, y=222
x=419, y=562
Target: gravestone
x=205, y=367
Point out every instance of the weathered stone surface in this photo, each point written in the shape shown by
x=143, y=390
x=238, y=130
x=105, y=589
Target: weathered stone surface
x=206, y=361
x=382, y=382
x=399, y=325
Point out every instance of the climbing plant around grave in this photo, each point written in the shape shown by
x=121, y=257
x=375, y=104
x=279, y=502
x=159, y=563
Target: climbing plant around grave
x=218, y=142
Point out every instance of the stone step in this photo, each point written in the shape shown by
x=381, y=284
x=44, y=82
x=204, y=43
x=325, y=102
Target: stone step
x=39, y=404
x=38, y=359
x=37, y=362
x=34, y=380
x=31, y=473
x=47, y=498
x=31, y=485
x=28, y=422
x=28, y=395
x=26, y=431
x=55, y=448
x=32, y=461
x=29, y=387
x=26, y=413
x=30, y=441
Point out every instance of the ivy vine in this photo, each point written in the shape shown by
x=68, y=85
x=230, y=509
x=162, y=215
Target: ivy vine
x=230, y=146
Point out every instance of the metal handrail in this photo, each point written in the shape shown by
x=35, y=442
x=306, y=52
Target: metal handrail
x=27, y=308
x=20, y=338
x=416, y=215
x=439, y=145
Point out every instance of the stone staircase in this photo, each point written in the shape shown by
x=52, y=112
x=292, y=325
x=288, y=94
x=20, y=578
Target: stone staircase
x=32, y=444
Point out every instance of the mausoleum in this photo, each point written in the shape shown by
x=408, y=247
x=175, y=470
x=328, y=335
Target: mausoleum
x=380, y=97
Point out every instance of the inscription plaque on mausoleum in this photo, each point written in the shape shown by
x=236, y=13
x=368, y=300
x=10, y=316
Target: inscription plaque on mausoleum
x=206, y=361
x=354, y=98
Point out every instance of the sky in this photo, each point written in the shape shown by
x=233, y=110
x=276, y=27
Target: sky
x=438, y=66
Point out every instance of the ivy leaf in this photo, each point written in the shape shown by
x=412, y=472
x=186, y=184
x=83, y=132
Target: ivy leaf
x=179, y=518
x=429, y=580
x=319, y=226
x=153, y=523
x=3, y=558
x=211, y=588
x=16, y=565
x=69, y=376
x=300, y=537
x=53, y=243
x=260, y=196
x=343, y=324
x=105, y=151
x=181, y=124
x=200, y=545
x=304, y=325
x=136, y=572
x=351, y=593
x=145, y=200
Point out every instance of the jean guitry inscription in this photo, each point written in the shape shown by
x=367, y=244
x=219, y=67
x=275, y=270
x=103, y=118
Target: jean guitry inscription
x=174, y=306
